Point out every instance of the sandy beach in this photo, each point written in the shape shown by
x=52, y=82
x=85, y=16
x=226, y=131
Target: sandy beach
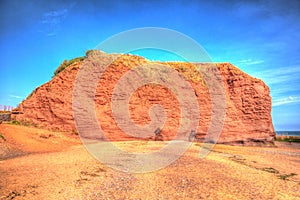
x=39, y=164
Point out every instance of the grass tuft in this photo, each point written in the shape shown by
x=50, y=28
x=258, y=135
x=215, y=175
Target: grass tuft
x=288, y=139
x=286, y=176
x=2, y=137
x=15, y=122
x=23, y=123
x=270, y=170
x=67, y=63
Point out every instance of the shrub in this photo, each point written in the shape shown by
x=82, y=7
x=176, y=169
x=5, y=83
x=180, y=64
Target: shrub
x=61, y=67
x=23, y=123
x=67, y=63
x=88, y=52
x=2, y=137
x=15, y=122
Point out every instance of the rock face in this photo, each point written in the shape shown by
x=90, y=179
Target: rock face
x=248, y=103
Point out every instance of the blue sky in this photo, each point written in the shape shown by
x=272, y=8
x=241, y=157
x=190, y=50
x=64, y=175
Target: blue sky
x=260, y=37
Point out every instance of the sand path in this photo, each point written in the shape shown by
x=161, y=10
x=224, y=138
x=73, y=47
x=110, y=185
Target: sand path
x=40, y=166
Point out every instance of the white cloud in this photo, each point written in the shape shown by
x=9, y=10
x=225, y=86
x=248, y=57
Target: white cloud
x=244, y=61
x=51, y=21
x=54, y=17
x=250, y=62
x=280, y=76
x=15, y=96
x=280, y=71
x=286, y=100
x=283, y=82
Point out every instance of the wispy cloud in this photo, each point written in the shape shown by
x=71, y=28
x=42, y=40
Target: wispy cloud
x=287, y=100
x=280, y=75
x=54, y=17
x=15, y=96
x=51, y=21
x=250, y=62
x=284, y=84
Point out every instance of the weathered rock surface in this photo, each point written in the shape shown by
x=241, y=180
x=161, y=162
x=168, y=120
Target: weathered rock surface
x=5, y=117
x=248, y=103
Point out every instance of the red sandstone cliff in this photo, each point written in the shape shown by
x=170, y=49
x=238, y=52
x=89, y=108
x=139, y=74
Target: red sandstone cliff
x=248, y=102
